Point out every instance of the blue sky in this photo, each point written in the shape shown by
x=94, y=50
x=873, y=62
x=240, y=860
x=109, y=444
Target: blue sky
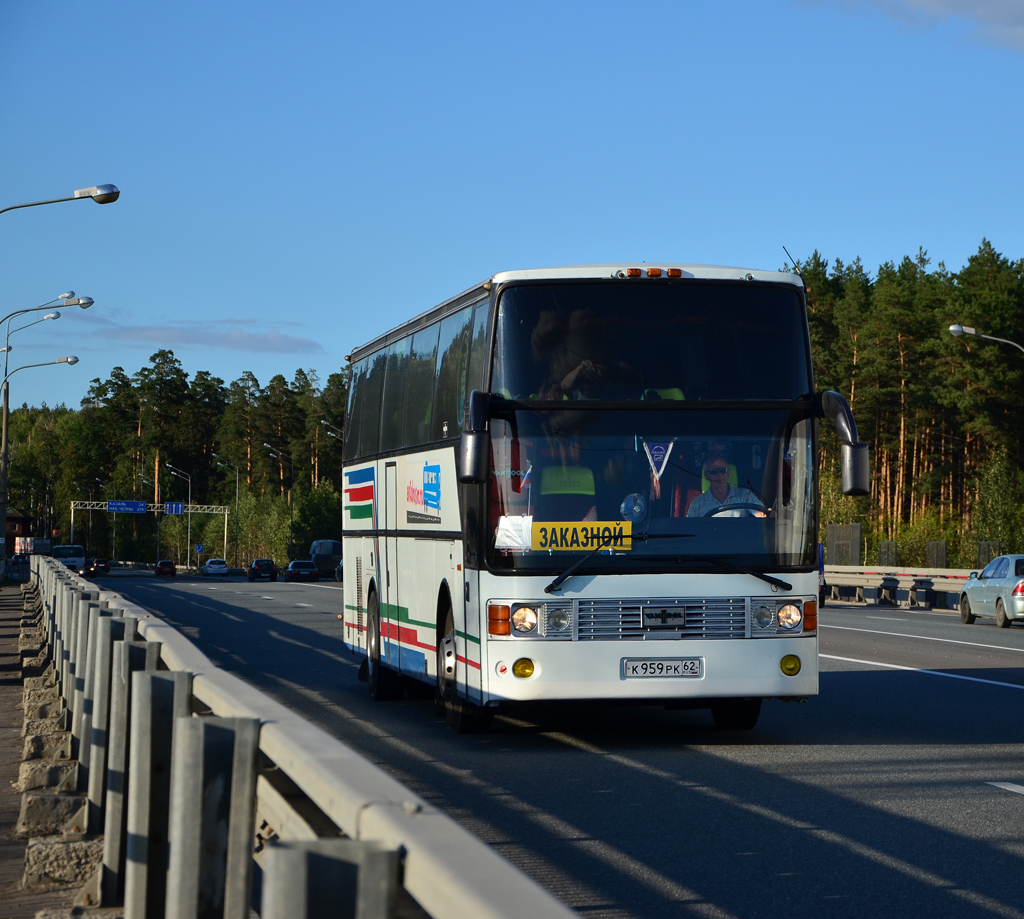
x=298, y=178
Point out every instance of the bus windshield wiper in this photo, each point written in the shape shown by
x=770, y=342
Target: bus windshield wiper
x=603, y=544
x=737, y=569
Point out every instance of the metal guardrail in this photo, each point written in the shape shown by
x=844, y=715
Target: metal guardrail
x=923, y=587
x=288, y=790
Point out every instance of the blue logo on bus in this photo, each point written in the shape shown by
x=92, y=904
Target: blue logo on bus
x=432, y=487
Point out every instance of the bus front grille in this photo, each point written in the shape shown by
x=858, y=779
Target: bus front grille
x=618, y=620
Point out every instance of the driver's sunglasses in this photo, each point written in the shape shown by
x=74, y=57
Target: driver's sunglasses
x=718, y=470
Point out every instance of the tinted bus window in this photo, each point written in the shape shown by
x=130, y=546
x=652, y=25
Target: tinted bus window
x=353, y=416
x=477, y=353
x=370, y=408
x=421, y=386
x=392, y=411
x=450, y=388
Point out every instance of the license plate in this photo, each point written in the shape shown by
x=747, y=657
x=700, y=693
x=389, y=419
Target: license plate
x=642, y=668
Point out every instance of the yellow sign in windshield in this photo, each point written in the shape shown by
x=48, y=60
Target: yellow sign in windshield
x=588, y=535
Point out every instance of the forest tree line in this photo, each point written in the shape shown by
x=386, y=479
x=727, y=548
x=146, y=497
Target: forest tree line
x=942, y=416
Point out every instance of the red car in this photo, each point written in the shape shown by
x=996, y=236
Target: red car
x=165, y=569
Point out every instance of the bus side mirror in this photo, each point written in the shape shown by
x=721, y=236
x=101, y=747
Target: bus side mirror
x=854, y=457
x=475, y=447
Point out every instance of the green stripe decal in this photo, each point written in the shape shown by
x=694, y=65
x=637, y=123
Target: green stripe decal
x=359, y=511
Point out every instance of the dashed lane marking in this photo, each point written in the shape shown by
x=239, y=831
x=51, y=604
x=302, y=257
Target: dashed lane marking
x=951, y=676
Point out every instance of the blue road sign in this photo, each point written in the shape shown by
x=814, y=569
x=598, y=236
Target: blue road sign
x=200, y=549
x=174, y=507
x=126, y=507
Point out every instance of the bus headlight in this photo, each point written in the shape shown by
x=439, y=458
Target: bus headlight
x=790, y=617
x=790, y=665
x=559, y=619
x=524, y=619
x=523, y=668
x=763, y=616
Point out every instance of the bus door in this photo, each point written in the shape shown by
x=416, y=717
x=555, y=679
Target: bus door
x=389, y=609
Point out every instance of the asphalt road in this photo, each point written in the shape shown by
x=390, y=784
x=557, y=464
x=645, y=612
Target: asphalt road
x=876, y=797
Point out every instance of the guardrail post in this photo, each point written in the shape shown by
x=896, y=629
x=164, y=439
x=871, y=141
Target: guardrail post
x=213, y=797
x=76, y=691
x=158, y=700
x=330, y=877
x=84, y=753
x=110, y=630
x=129, y=657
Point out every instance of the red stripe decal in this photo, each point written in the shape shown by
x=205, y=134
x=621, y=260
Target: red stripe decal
x=362, y=493
x=468, y=662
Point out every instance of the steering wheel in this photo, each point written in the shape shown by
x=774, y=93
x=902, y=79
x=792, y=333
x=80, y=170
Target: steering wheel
x=738, y=506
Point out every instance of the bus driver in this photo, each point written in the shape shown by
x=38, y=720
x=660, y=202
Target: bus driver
x=721, y=494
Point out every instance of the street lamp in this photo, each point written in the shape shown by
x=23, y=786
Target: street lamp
x=184, y=475
x=958, y=330
x=156, y=501
x=3, y=446
x=113, y=547
x=233, y=466
x=79, y=487
x=69, y=299
x=101, y=194
x=291, y=500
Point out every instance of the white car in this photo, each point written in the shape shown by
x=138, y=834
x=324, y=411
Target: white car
x=215, y=566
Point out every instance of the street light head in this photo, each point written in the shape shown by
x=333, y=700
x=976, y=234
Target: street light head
x=70, y=359
x=956, y=330
x=268, y=446
x=67, y=295
x=53, y=315
x=83, y=302
x=101, y=194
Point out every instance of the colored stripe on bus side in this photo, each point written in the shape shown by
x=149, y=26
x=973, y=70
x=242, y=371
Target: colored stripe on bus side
x=360, y=476
x=362, y=493
x=360, y=511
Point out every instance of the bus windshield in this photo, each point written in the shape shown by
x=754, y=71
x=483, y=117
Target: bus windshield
x=68, y=551
x=667, y=490
x=686, y=340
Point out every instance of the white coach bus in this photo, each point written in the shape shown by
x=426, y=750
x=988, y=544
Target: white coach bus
x=591, y=483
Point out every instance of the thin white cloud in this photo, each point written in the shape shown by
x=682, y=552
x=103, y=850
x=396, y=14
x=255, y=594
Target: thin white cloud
x=213, y=335
x=999, y=22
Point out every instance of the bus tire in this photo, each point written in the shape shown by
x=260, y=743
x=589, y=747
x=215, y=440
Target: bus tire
x=736, y=714
x=384, y=683
x=463, y=716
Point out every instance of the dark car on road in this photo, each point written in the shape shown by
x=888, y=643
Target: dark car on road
x=101, y=565
x=302, y=571
x=262, y=568
x=165, y=569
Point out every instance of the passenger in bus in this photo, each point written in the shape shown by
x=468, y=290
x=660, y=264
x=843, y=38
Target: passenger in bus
x=722, y=493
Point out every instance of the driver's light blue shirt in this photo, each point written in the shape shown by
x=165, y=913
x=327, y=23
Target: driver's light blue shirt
x=706, y=502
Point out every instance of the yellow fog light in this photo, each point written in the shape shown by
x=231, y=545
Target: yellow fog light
x=523, y=668
x=790, y=665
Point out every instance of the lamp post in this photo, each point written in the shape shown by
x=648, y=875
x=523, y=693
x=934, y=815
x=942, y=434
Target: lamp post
x=291, y=500
x=958, y=330
x=79, y=487
x=71, y=359
x=222, y=462
x=101, y=194
x=174, y=470
x=156, y=500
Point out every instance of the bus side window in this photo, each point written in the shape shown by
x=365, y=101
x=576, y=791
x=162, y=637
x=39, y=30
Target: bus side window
x=392, y=414
x=371, y=404
x=353, y=415
x=421, y=386
x=450, y=387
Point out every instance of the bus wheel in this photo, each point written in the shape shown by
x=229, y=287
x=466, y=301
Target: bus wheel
x=736, y=714
x=385, y=684
x=463, y=716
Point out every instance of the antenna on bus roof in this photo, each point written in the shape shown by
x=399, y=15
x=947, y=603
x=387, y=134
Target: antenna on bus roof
x=790, y=257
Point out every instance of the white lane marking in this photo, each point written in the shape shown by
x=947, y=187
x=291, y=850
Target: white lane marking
x=948, y=641
x=326, y=587
x=266, y=598
x=303, y=604
x=952, y=676
x=1008, y=786
x=887, y=618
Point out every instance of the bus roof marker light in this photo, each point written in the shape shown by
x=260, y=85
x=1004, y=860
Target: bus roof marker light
x=674, y=272
x=654, y=272
x=633, y=272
